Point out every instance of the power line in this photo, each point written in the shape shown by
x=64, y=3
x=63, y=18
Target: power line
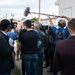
x=46, y=5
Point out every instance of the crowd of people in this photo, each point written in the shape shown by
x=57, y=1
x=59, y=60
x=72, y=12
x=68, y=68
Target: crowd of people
x=55, y=46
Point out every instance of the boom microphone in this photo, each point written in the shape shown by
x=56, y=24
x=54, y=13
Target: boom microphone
x=26, y=12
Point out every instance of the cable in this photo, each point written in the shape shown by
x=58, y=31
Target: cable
x=46, y=5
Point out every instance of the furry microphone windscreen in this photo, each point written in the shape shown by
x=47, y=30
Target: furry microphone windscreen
x=26, y=12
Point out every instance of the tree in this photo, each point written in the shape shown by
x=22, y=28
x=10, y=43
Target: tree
x=34, y=19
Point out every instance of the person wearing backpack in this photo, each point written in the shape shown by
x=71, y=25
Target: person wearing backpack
x=40, y=45
x=64, y=57
x=61, y=32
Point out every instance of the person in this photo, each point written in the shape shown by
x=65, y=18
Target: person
x=61, y=32
x=12, y=38
x=51, y=47
x=19, y=39
x=12, y=34
x=6, y=58
x=18, y=46
x=46, y=52
x=37, y=28
x=29, y=51
x=65, y=52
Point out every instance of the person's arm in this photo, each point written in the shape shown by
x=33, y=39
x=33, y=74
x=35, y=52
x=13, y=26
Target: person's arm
x=66, y=17
x=50, y=21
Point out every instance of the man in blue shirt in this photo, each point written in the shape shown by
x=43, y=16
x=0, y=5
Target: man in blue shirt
x=61, y=32
x=12, y=35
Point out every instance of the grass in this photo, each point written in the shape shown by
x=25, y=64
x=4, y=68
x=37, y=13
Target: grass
x=17, y=71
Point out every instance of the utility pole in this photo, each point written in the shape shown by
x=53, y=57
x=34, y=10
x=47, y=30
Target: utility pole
x=39, y=9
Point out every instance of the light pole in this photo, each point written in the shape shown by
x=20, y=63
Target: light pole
x=39, y=9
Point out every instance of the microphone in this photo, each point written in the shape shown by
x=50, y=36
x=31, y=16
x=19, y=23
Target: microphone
x=26, y=12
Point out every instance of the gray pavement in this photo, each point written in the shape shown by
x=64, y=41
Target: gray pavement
x=18, y=63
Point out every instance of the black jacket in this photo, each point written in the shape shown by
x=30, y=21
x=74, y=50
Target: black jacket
x=64, y=56
x=29, y=40
x=6, y=59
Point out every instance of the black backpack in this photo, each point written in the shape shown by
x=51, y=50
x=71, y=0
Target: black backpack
x=60, y=34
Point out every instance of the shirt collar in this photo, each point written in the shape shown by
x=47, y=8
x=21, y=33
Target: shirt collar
x=72, y=34
x=29, y=29
x=4, y=33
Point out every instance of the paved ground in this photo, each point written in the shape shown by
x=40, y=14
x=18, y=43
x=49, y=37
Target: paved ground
x=18, y=63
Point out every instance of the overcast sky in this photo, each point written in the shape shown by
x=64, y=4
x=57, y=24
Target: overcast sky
x=17, y=7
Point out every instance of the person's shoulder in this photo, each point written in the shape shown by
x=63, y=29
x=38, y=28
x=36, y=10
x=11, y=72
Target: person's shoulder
x=62, y=43
x=42, y=32
x=54, y=27
x=61, y=29
x=22, y=31
x=9, y=32
x=2, y=36
x=36, y=32
x=66, y=28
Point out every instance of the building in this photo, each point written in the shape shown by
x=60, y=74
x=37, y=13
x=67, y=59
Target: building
x=66, y=7
x=45, y=22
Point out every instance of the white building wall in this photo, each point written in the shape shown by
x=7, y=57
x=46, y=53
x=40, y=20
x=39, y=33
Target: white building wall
x=73, y=9
x=67, y=8
x=46, y=22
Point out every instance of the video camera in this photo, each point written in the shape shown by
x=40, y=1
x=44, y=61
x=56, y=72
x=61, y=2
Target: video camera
x=13, y=24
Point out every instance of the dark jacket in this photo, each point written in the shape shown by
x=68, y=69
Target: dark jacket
x=6, y=59
x=29, y=42
x=64, y=57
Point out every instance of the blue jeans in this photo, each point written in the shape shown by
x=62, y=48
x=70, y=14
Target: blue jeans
x=30, y=63
x=40, y=62
x=5, y=73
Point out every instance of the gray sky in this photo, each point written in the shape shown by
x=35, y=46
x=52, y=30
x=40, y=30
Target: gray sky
x=17, y=7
